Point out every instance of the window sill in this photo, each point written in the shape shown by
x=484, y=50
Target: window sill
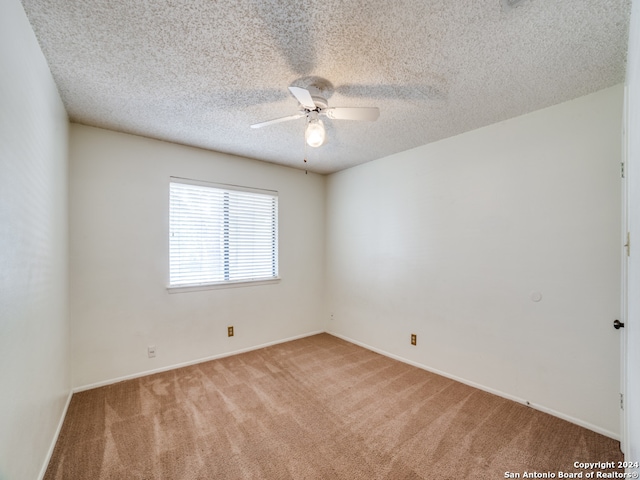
x=216, y=286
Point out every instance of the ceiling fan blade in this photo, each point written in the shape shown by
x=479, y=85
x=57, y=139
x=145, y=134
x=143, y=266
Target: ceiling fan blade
x=353, y=113
x=304, y=97
x=277, y=120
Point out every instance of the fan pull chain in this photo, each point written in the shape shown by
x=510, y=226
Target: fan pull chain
x=305, y=154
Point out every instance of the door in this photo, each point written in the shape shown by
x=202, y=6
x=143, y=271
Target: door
x=625, y=273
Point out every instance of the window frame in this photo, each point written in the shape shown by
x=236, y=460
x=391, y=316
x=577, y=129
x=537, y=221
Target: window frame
x=224, y=283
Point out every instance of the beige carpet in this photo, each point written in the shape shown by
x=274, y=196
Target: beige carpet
x=315, y=408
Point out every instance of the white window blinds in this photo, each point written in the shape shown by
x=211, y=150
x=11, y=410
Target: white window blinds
x=221, y=234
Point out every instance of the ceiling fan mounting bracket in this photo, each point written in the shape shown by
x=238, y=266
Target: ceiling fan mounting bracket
x=317, y=86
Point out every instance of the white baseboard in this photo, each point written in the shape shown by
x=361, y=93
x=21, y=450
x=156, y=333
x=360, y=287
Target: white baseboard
x=191, y=362
x=47, y=459
x=499, y=393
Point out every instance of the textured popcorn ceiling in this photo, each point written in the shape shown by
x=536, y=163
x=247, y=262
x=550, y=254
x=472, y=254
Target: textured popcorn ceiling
x=199, y=72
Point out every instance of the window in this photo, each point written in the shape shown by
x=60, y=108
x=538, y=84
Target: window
x=221, y=234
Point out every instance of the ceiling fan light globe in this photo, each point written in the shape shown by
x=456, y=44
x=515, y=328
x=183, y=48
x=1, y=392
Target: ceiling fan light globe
x=315, y=134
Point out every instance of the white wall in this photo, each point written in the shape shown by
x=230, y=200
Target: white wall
x=632, y=323
x=450, y=240
x=34, y=325
x=119, y=258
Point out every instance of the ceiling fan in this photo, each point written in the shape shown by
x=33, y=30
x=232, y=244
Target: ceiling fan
x=313, y=106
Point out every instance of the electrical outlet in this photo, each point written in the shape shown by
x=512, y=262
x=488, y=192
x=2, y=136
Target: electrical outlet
x=151, y=351
x=414, y=339
x=229, y=331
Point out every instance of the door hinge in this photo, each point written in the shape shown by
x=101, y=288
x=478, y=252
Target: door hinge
x=622, y=169
x=628, y=244
x=622, y=401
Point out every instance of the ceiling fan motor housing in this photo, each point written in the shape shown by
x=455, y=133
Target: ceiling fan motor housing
x=320, y=102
